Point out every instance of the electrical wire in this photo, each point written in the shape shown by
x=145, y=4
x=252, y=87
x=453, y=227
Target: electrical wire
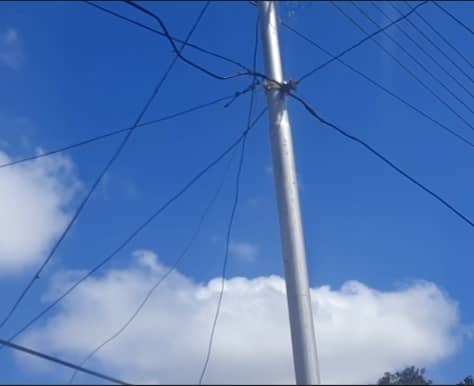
x=231, y=97
x=61, y=362
x=109, y=164
x=368, y=37
x=438, y=48
x=427, y=70
x=141, y=227
x=404, y=67
x=190, y=45
x=453, y=17
x=183, y=58
x=171, y=269
x=224, y=269
x=420, y=47
x=232, y=215
x=444, y=39
x=400, y=171
x=380, y=86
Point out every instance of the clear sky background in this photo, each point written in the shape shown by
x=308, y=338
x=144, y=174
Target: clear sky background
x=69, y=72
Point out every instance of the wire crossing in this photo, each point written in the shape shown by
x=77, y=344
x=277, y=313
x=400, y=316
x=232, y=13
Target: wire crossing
x=107, y=167
x=360, y=42
x=232, y=214
x=436, y=46
x=61, y=362
x=175, y=39
x=427, y=70
x=171, y=269
x=230, y=150
x=404, y=67
x=142, y=226
x=380, y=86
x=188, y=246
x=420, y=47
x=445, y=40
x=183, y=58
x=400, y=171
x=231, y=97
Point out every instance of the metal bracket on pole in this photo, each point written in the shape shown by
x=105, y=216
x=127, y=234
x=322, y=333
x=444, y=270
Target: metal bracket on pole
x=285, y=87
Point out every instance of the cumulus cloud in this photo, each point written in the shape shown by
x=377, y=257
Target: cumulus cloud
x=245, y=251
x=361, y=332
x=11, y=54
x=34, y=197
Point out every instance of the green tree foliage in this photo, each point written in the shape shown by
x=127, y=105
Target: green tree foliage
x=409, y=376
x=467, y=381
x=413, y=376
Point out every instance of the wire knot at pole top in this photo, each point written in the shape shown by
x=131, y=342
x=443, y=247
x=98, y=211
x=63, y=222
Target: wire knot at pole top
x=285, y=88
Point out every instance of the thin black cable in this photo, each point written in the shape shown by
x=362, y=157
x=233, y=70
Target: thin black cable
x=468, y=29
x=141, y=227
x=184, y=59
x=224, y=268
x=380, y=86
x=404, y=67
x=231, y=97
x=438, y=48
x=101, y=175
x=171, y=269
x=426, y=69
x=368, y=37
x=232, y=215
x=420, y=47
x=190, y=45
x=444, y=39
x=312, y=111
x=61, y=362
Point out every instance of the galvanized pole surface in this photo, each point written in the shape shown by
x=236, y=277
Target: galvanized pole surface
x=291, y=229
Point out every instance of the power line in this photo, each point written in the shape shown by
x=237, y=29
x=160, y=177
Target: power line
x=61, y=362
x=171, y=269
x=404, y=67
x=230, y=97
x=142, y=226
x=427, y=70
x=438, y=48
x=400, y=171
x=380, y=86
x=420, y=47
x=224, y=269
x=101, y=175
x=184, y=59
x=232, y=215
x=368, y=37
x=188, y=44
x=194, y=46
x=444, y=39
x=453, y=17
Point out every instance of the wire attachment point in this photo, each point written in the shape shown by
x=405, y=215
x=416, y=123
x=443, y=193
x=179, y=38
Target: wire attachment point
x=286, y=87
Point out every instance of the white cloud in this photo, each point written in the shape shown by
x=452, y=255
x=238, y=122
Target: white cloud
x=243, y=250
x=11, y=54
x=361, y=332
x=33, y=200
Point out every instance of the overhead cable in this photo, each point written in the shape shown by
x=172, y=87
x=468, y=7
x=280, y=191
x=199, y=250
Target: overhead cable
x=97, y=181
x=380, y=156
x=61, y=362
x=405, y=68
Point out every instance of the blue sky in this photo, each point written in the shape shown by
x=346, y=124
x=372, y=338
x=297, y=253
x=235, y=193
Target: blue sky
x=71, y=72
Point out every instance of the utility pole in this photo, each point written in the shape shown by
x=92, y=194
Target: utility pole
x=291, y=229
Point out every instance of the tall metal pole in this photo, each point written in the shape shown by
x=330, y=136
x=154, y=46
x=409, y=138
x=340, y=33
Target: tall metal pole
x=291, y=229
